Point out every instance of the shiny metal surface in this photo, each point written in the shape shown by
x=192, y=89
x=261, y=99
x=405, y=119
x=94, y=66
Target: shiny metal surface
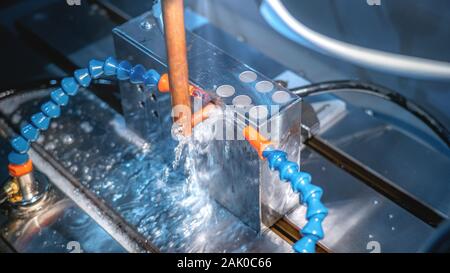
x=61, y=227
x=113, y=224
x=360, y=219
x=410, y=163
x=245, y=187
x=130, y=177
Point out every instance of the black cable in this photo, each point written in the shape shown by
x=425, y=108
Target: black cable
x=381, y=92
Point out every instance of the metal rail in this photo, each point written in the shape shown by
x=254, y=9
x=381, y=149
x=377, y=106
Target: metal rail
x=374, y=180
x=291, y=234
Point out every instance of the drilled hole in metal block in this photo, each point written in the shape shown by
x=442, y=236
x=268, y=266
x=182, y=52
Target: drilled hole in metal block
x=281, y=97
x=264, y=86
x=242, y=101
x=248, y=76
x=141, y=104
x=155, y=113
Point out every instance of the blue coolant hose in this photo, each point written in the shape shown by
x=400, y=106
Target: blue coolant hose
x=60, y=97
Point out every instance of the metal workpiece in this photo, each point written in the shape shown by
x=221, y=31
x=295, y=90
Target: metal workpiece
x=242, y=182
x=209, y=67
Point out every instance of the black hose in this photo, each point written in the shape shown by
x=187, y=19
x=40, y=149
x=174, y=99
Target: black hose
x=381, y=92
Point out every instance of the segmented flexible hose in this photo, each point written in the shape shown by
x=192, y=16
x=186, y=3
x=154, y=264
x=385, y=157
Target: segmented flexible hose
x=60, y=97
x=310, y=195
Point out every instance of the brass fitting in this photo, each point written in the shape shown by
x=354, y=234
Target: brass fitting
x=12, y=190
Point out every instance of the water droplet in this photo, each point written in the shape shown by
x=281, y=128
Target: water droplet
x=116, y=197
x=146, y=25
x=50, y=146
x=369, y=112
x=86, y=127
x=73, y=169
x=67, y=139
x=41, y=139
